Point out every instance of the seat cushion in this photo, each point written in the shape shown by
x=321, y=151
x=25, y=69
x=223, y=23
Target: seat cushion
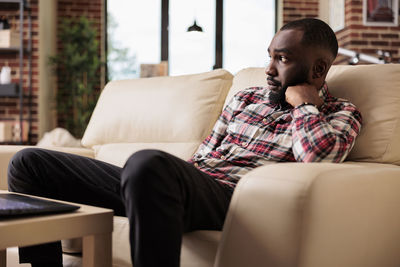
x=174, y=109
x=199, y=248
x=374, y=89
x=118, y=153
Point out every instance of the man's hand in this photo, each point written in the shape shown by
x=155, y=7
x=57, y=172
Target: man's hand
x=303, y=93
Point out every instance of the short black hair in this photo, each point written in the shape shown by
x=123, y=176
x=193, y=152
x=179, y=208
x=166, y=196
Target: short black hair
x=315, y=33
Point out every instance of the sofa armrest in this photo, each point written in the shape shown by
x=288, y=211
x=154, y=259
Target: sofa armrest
x=316, y=214
x=6, y=152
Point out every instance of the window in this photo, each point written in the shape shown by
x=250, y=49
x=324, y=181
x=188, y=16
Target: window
x=248, y=28
x=191, y=52
x=133, y=33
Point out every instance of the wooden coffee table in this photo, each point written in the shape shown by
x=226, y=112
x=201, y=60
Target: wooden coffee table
x=94, y=225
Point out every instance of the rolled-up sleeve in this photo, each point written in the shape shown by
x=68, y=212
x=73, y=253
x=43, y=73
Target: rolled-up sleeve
x=318, y=137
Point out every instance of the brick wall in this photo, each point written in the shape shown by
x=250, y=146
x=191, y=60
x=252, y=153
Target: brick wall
x=297, y=9
x=92, y=9
x=355, y=36
x=9, y=107
x=366, y=39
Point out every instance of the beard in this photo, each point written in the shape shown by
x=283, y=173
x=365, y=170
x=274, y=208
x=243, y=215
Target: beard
x=279, y=96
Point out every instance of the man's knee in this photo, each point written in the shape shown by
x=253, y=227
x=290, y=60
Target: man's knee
x=144, y=170
x=22, y=159
x=18, y=166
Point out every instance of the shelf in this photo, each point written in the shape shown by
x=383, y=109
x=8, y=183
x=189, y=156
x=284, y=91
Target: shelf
x=14, y=90
x=9, y=50
x=12, y=4
x=23, y=143
x=13, y=119
x=4, y=50
x=11, y=1
x=9, y=90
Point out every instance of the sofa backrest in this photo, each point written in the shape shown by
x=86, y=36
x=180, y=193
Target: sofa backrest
x=172, y=113
x=374, y=89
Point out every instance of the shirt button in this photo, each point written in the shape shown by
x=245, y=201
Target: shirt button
x=264, y=120
x=245, y=144
x=222, y=157
x=196, y=165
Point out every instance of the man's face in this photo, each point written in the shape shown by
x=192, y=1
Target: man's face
x=290, y=64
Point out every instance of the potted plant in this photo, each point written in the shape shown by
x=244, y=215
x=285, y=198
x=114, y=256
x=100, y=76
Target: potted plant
x=77, y=67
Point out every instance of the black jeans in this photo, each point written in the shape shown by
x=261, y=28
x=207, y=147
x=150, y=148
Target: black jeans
x=162, y=196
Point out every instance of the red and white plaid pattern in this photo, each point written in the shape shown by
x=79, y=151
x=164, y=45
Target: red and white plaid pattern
x=252, y=132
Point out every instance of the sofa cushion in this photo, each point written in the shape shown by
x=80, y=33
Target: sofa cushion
x=198, y=247
x=374, y=89
x=248, y=77
x=117, y=154
x=174, y=109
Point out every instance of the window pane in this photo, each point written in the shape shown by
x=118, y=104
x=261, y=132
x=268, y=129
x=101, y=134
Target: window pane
x=134, y=36
x=248, y=29
x=191, y=52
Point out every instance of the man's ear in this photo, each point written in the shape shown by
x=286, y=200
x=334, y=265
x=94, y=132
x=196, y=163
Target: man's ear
x=320, y=68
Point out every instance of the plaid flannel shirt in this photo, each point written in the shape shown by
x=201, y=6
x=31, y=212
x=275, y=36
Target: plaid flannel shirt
x=252, y=132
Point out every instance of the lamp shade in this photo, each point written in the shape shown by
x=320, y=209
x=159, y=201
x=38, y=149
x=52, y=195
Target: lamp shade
x=195, y=28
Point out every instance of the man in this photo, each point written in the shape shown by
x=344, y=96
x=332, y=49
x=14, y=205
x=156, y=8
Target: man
x=293, y=119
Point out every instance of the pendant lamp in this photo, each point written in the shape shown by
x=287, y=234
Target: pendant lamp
x=195, y=28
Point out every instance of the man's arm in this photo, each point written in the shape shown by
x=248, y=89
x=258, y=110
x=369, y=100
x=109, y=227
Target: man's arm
x=318, y=137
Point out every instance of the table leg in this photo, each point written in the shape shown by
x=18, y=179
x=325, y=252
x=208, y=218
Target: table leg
x=3, y=258
x=97, y=251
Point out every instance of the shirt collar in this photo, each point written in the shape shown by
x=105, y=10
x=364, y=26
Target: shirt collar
x=323, y=92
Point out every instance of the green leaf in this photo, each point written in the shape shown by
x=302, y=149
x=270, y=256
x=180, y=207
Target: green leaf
x=77, y=66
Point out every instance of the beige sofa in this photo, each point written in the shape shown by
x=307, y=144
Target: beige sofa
x=286, y=214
